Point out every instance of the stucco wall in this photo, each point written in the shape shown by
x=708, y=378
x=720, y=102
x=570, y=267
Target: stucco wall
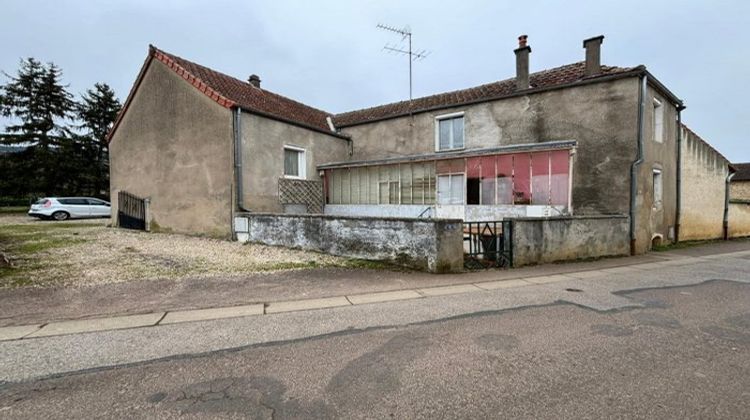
x=601, y=117
x=174, y=145
x=432, y=245
x=263, y=142
x=739, y=190
x=739, y=220
x=539, y=241
x=704, y=174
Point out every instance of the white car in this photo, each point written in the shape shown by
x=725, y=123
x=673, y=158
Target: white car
x=63, y=208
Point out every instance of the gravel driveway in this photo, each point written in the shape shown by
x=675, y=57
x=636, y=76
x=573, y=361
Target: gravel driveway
x=87, y=252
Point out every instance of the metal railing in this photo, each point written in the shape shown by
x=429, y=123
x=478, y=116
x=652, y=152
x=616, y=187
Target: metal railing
x=488, y=244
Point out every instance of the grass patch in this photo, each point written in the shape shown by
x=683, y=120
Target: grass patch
x=13, y=210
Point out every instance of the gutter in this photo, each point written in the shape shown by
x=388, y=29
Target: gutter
x=238, y=159
x=639, y=158
x=678, y=208
x=726, y=205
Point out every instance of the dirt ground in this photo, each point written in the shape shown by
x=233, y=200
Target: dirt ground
x=88, y=252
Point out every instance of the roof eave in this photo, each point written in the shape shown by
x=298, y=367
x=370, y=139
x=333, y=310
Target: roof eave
x=515, y=148
x=292, y=122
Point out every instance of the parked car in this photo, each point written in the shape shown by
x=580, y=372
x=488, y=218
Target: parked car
x=63, y=208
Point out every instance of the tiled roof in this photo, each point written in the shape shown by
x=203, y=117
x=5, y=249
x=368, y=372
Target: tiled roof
x=742, y=172
x=245, y=95
x=553, y=77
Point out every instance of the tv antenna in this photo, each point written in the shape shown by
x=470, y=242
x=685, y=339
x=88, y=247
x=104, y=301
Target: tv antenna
x=405, y=33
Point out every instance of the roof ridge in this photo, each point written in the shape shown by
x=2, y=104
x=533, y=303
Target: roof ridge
x=578, y=65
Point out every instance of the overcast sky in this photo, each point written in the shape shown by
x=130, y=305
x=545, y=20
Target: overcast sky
x=329, y=54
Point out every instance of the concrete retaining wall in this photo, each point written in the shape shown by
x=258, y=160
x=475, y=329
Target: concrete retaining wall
x=433, y=245
x=539, y=241
x=739, y=219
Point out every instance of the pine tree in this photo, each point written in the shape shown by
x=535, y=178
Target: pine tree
x=97, y=111
x=37, y=99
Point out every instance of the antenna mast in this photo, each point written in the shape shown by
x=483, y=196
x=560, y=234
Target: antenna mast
x=413, y=56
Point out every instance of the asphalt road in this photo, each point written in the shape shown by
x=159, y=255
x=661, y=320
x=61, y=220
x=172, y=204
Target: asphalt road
x=684, y=352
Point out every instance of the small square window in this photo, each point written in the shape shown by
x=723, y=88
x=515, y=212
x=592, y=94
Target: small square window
x=450, y=132
x=294, y=162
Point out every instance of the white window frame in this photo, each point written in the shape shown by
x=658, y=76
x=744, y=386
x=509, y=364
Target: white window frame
x=437, y=131
x=301, y=162
x=657, y=202
x=658, y=117
x=450, y=176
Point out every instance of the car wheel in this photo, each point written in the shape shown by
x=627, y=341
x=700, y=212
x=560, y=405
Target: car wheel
x=60, y=215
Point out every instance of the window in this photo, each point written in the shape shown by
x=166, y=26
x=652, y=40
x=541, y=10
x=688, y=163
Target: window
x=74, y=201
x=449, y=134
x=294, y=162
x=658, y=121
x=451, y=189
x=657, y=188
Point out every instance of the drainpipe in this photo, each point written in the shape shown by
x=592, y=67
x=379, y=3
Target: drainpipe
x=639, y=159
x=726, y=205
x=238, y=159
x=678, y=209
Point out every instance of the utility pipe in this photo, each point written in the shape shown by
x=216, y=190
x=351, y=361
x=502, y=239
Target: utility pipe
x=238, y=159
x=725, y=223
x=639, y=159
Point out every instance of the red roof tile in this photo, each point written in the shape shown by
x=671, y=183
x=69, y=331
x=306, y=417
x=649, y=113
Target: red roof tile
x=496, y=90
x=232, y=91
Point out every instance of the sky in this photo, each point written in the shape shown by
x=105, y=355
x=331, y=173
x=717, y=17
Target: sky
x=329, y=54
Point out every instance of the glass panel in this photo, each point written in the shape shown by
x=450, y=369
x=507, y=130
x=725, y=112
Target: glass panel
x=430, y=192
x=419, y=183
x=336, y=186
x=393, y=193
x=450, y=166
x=444, y=133
x=540, y=178
x=559, y=177
x=458, y=133
x=457, y=189
x=354, y=175
x=345, y=187
x=488, y=180
x=372, y=184
x=406, y=183
x=291, y=162
x=505, y=179
x=521, y=178
x=443, y=189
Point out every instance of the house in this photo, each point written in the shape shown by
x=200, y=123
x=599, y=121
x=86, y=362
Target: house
x=582, y=139
x=738, y=211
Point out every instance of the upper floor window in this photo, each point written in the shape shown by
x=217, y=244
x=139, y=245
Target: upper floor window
x=658, y=121
x=449, y=133
x=294, y=162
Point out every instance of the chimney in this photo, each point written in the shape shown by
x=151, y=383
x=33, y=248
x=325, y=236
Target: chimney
x=593, y=48
x=522, y=63
x=254, y=80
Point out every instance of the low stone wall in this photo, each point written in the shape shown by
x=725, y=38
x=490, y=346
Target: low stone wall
x=546, y=240
x=434, y=245
x=739, y=218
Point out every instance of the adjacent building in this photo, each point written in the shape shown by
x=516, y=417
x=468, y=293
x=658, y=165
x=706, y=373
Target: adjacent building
x=580, y=139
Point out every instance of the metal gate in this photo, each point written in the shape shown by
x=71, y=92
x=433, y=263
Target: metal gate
x=131, y=211
x=488, y=244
